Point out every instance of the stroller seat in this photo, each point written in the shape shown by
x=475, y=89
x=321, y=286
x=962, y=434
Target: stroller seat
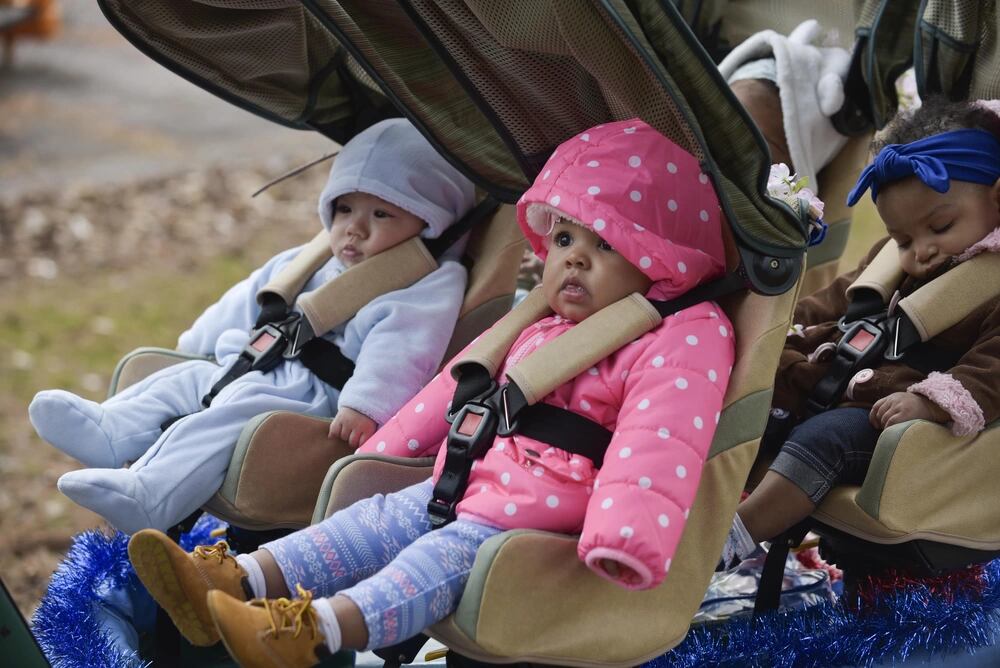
x=927, y=503
x=255, y=493
x=929, y=500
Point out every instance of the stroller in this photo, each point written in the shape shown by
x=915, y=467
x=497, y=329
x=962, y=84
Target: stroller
x=495, y=87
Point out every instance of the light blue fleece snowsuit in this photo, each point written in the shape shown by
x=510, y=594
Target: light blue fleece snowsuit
x=396, y=341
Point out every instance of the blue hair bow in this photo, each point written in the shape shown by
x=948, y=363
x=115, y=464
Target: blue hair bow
x=966, y=155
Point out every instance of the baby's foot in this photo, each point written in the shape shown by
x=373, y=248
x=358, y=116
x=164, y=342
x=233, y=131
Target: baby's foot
x=180, y=581
x=73, y=424
x=113, y=494
x=269, y=632
x=739, y=546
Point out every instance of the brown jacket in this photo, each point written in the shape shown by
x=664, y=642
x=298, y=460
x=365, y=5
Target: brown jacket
x=974, y=344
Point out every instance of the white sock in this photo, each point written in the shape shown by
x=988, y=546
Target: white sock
x=254, y=575
x=739, y=544
x=328, y=624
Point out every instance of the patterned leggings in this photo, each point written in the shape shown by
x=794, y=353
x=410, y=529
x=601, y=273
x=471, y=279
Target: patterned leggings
x=381, y=553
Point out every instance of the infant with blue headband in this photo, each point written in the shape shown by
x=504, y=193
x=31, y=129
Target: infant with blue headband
x=935, y=181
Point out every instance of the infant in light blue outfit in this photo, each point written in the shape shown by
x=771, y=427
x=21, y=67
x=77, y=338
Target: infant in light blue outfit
x=387, y=184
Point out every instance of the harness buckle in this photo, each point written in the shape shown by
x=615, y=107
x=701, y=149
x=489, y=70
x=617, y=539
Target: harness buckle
x=472, y=430
x=861, y=343
x=301, y=333
x=269, y=343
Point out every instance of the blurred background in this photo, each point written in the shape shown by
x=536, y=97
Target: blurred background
x=125, y=209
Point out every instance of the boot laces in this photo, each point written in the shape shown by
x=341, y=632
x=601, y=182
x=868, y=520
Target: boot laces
x=219, y=550
x=291, y=614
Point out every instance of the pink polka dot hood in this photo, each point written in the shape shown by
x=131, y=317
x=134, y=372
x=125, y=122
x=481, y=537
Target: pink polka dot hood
x=660, y=396
x=640, y=192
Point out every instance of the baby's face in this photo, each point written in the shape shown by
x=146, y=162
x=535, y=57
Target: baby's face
x=364, y=225
x=583, y=274
x=930, y=227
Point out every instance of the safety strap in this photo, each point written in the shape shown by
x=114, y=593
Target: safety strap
x=872, y=333
x=482, y=409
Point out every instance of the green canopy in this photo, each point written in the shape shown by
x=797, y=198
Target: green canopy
x=495, y=86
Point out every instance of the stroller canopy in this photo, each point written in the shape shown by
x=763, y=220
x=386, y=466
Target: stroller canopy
x=495, y=86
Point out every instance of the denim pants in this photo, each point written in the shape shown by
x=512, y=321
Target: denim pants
x=381, y=553
x=827, y=449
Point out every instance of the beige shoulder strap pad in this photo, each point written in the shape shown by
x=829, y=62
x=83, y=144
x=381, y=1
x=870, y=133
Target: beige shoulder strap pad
x=340, y=299
x=883, y=274
x=952, y=296
x=583, y=346
x=290, y=280
x=491, y=347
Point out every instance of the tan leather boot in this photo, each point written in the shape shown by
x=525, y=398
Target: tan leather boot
x=269, y=633
x=180, y=581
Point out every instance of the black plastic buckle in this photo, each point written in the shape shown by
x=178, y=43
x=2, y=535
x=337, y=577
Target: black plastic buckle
x=862, y=343
x=440, y=512
x=269, y=344
x=299, y=333
x=473, y=429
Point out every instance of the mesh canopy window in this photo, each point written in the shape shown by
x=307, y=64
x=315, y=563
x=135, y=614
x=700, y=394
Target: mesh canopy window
x=536, y=73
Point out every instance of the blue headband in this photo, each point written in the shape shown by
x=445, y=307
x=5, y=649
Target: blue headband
x=966, y=155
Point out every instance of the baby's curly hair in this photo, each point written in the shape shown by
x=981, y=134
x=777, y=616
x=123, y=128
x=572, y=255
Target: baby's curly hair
x=937, y=114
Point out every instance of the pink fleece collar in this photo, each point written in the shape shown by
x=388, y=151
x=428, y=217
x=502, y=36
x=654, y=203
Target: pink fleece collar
x=988, y=244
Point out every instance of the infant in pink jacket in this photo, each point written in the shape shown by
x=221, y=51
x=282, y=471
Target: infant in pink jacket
x=625, y=187
x=617, y=209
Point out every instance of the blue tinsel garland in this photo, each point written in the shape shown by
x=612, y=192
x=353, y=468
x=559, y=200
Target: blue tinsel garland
x=68, y=623
x=908, y=622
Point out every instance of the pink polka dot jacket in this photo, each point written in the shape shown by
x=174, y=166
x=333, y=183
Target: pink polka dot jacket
x=660, y=395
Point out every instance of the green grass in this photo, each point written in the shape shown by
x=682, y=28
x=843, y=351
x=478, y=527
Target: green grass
x=70, y=333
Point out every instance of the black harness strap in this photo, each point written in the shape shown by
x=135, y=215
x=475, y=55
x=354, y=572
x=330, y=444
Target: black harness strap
x=565, y=430
x=324, y=359
x=865, y=302
x=872, y=335
x=706, y=292
x=272, y=309
x=481, y=410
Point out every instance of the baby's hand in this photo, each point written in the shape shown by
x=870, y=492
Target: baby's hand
x=352, y=426
x=619, y=571
x=902, y=406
